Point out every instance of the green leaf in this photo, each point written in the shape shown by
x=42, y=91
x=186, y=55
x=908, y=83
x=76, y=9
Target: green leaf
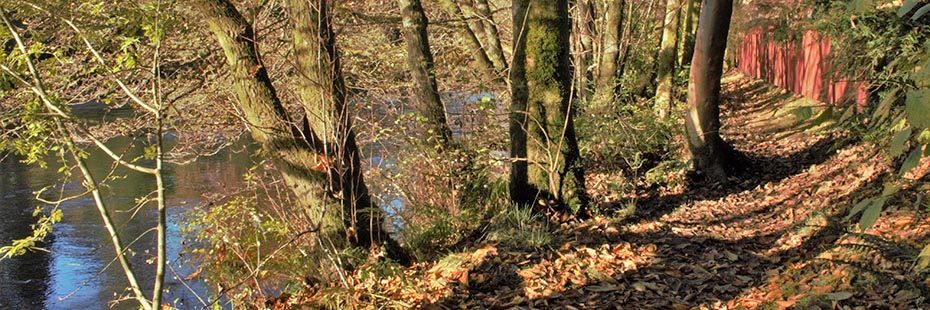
x=921, y=12
x=859, y=207
x=907, y=7
x=911, y=161
x=802, y=113
x=898, y=142
x=825, y=116
x=861, y=6
x=923, y=260
x=870, y=215
x=881, y=112
x=850, y=111
x=889, y=189
x=922, y=76
x=918, y=108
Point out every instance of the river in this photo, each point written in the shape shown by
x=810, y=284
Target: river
x=78, y=272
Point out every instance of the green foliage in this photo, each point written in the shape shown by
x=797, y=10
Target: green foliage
x=918, y=108
x=40, y=231
x=520, y=228
x=237, y=242
x=464, y=181
x=670, y=173
x=625, y=136
x=891, y=53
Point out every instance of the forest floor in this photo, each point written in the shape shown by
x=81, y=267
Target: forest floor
x=775, y=236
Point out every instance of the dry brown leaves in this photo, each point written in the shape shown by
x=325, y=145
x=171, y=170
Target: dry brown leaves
x=774, y=238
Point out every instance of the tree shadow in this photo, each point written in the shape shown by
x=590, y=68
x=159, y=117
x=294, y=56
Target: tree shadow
x=686, y=270
x=761, y=170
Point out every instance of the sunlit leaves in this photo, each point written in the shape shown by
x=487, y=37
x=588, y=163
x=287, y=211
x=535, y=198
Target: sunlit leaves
x=871, y=212
x=918, y=108
x=899, y=141
x=913, y=158
x=803, y=113
x=40, y=231
x=923, y=260
x=883, y=109
x=922, y=76
x=859, y=207
x=861, y=6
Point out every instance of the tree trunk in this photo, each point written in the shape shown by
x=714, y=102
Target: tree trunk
x=472, y=43
x=492, y=35
x=543, y=109
x=668, y=56
x=691, y=20
x=610, y=51
x=519, y=185
x=420, y=64
x=319, y=162
x=584, y=46
x=709, y=152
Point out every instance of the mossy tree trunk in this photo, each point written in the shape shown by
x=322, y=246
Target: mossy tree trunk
x=710, y=153
x=420, y=64
x=318, y=161
x=691, y=19
x=610, y=51
x=542, y=125
x=668, y=57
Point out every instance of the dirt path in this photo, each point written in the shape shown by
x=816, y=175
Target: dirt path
x=714, y=245
x=772, y=237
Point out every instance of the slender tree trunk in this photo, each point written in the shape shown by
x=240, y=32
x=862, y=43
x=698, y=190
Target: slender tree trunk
x=466, y=10
x=626, y=43
x=472, y=43
x=492, y=35
x=610, y=51
x=668, y=56
x=520, y=191
x=420, y=64
x=554, y=169
x=584, y=46
x=691, y=20
x=319, y=162
x=709, y=152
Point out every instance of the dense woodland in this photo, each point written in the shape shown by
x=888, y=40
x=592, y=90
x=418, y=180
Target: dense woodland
x=667, y=154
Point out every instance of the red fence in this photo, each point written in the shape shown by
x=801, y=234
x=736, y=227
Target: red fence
x=800, y=67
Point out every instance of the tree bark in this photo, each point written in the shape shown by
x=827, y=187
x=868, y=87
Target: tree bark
x=320, y=161
x=420, y=64
x=472, y=43
x=492, y=35
x=668, y=56
x=584, y=46
x=702, y=122
x=519, y=187
x=543, y=108
x=691, y=19
x=610, y=51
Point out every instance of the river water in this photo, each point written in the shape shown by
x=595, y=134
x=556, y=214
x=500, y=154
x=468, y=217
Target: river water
x=78, y=272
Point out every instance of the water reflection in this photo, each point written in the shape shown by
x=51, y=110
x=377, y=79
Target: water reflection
x=80, y=271
x=23, y=278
